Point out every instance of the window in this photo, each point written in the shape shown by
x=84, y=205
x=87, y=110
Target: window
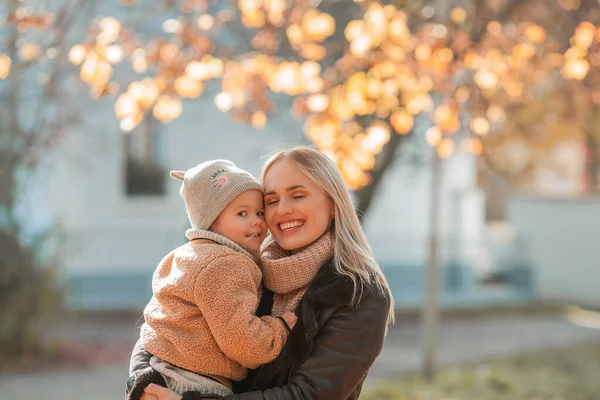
x=145, y=174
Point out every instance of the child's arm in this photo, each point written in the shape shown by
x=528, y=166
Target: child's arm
x=226, y=292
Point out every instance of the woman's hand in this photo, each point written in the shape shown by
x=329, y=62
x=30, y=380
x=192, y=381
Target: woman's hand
x=156, y=392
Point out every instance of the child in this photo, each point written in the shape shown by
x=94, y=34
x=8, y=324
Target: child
x=200, y=325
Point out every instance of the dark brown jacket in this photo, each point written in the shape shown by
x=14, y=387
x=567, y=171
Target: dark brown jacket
x=329, y=351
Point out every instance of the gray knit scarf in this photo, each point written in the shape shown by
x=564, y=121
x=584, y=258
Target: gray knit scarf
x=192, y=234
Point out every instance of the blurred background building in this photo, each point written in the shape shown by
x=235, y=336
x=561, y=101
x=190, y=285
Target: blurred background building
x=119, y=213
x=100, y=101
x=106, y=196
x=476, y=122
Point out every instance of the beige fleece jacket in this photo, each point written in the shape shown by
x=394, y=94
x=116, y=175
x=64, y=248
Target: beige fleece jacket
x=201, y=316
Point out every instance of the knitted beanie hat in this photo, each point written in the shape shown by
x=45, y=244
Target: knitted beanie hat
x=209, y=187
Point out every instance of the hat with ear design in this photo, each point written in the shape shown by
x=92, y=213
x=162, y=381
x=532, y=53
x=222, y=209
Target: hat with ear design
x=209, y=187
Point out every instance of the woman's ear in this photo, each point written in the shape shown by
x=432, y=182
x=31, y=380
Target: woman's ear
x=179, y=175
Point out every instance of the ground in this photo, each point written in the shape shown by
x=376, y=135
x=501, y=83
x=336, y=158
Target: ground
x=106, y=342
x=566, y=373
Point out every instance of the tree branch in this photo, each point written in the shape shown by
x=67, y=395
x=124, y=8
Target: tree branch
x=365, y=195
x=44, y=130
x=504, y=14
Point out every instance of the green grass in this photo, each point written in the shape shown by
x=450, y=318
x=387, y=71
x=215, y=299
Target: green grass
x=558, y=374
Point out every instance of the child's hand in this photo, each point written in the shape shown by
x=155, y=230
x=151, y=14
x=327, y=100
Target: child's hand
x=290, y=318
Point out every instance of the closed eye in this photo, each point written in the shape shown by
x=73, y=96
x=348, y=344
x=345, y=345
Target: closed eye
x=272, y=202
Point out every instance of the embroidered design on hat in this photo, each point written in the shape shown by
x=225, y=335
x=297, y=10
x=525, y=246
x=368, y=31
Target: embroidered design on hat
x=220, y=178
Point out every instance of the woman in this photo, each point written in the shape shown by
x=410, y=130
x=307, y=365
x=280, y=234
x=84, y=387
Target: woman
x=316, y=262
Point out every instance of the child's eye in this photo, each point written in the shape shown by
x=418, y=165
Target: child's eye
x=242, y=213
x=260, y=213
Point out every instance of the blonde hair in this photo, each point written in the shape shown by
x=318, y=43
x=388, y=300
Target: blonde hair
x=353, y=256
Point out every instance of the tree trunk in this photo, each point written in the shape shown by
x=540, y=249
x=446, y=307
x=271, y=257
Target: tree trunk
x=10, y=130
x=592, y=165
x=365, y=196
x=431, y=308
x=24, y=285
x=8, y=183
x=27, y=289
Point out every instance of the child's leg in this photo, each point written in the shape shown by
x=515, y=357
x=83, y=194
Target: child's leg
x=180, y=380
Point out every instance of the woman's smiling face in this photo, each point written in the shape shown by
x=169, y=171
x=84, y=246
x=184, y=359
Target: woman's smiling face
x=297, y=211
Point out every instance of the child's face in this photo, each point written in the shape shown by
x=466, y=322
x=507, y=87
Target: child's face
x=243, y=221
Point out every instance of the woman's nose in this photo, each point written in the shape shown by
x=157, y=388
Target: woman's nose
x=284, y=207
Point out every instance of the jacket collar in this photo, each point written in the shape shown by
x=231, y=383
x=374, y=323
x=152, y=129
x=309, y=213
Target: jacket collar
x=329, y=288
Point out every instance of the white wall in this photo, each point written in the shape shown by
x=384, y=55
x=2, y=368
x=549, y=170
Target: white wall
x=398, y=222
x=110, y=232
x=560, y=240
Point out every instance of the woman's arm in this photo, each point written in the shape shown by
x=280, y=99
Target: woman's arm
x=344, y=350
x=140, y=358
x=141, y=374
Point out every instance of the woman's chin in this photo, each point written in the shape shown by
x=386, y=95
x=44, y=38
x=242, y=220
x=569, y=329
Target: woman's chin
x=292, y=243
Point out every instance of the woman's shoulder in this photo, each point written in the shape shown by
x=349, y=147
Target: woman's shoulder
x=330, y=287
